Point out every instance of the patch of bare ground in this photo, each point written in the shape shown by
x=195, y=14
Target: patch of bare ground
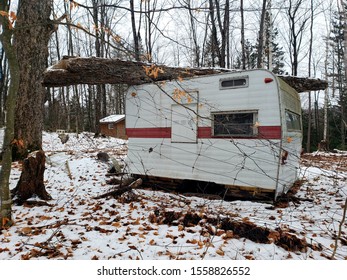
x=328, y=161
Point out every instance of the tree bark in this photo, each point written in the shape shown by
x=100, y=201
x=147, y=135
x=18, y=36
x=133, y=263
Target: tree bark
x=261, y=37
x=96, y=71
x=243, y=47
x=309, y=122
x=31, y=181
x=6, y=161
x=343, y=93
x=135, y=33
x=33, y=30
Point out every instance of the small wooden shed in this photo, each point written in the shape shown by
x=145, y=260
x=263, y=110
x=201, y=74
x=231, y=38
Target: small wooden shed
x=113, y=125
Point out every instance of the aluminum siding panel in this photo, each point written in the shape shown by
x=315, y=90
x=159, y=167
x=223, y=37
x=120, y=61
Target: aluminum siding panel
x=245, y=162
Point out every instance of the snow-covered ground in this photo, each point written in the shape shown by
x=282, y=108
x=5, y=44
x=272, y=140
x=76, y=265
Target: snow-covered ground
x=153, y=225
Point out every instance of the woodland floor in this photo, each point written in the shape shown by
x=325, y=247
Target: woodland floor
x=156, y=225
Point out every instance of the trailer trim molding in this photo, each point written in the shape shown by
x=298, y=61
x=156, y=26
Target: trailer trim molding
x=264, y=132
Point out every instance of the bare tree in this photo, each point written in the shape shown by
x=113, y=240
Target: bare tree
x=243, y=43
x=196, y=46
x=297, y=25
x=135, y=31
x=261, y=37
x=343, y=94
x=309, y=124
x=220, y=21
x=33, y=31
x=6, y=40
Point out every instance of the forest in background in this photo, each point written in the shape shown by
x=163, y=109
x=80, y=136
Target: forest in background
x=296, y=37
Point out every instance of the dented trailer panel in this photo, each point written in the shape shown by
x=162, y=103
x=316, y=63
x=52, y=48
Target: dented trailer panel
x=239, y=129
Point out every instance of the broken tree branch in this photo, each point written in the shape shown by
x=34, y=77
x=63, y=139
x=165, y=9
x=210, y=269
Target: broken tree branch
x=119, y=191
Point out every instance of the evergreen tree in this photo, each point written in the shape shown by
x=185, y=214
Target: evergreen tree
x=250, y=57
x=210, y=57
x=277, y=53
x=338, y=76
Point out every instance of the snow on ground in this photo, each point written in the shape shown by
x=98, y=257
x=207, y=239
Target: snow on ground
x=154, y=225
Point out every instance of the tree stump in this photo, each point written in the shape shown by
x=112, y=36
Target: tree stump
x=31, y=181
x=323, y=146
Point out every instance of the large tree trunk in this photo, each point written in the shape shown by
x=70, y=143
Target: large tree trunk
x=343, y=93
x=97, y=71
x=33, y=30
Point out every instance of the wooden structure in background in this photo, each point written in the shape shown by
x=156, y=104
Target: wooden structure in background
x=113, y=125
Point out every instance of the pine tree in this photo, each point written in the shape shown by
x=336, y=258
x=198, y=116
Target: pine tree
x=277, y=53
x=339, y=80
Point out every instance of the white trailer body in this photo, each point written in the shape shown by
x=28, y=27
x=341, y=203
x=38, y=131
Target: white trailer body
x=238, y=129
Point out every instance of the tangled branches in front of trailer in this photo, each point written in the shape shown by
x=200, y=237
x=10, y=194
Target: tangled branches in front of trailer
x=245, y=162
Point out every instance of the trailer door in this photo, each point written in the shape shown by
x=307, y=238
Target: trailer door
x=184, y=123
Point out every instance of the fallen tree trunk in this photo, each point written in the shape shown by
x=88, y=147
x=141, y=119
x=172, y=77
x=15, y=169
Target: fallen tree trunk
x=95, y=71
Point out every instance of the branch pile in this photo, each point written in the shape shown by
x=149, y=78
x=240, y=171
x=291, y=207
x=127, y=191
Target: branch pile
x=283, y=237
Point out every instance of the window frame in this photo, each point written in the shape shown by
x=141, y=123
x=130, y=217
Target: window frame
x=233, y=79
x=296, y=121
x=254, y=127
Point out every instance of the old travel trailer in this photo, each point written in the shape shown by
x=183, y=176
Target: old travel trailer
x=239, y=130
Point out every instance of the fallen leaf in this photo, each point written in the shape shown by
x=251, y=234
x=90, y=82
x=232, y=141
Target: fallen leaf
x=220, y=252
x=26, y=231
x=229, y=234
x=180, y=227
x=274, y=236
x=136, y=222
x=152, y=242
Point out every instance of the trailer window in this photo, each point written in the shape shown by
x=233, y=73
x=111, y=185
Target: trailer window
x=235, y=124
x=293, y=121
x=233, y=83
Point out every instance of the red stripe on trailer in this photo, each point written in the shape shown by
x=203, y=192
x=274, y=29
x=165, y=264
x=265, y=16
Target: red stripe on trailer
x=269, y=132
x=149, y=132
x=264, y=132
